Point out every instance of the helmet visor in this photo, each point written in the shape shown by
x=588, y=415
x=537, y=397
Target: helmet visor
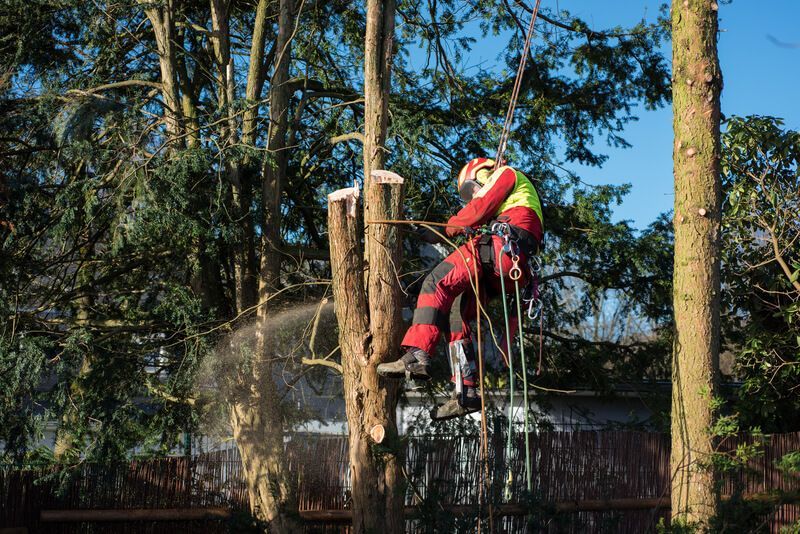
x=468, y=189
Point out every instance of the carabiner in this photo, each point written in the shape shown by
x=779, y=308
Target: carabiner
x=534, y=264
x=534, y=308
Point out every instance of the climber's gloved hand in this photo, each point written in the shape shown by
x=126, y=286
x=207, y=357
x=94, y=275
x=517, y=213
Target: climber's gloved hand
x=427, y=235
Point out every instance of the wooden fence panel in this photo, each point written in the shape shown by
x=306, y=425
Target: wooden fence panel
x=566, y=466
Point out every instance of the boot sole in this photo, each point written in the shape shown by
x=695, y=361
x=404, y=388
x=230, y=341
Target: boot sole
x=402, y=376
x=466, y=411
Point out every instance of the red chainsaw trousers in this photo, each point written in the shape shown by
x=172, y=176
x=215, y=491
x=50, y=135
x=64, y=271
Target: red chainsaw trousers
x=446, y=302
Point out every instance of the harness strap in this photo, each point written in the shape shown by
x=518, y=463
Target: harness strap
x=526, y=241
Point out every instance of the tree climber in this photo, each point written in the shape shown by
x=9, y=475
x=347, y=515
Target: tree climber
x=446, y=302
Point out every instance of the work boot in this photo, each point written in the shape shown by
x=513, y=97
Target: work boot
x=413, y=365
x=458, y=405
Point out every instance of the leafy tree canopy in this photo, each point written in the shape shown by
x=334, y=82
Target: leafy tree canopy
x=124, y=221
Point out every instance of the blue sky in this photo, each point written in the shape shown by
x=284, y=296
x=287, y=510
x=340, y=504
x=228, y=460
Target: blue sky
x=760, y=76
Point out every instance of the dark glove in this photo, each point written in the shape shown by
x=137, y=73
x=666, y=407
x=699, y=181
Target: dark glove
x=427, y=235
x=453, y=231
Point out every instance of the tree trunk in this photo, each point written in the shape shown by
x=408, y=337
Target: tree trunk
x=378, y=47
x=257, y=423
x=369, y=402
x=369, y=317
x=246, y=265
x=161, y=18
x=241, y=196
x=696, y=86
x=274, y=165
x=256, y=415
x=66, y=448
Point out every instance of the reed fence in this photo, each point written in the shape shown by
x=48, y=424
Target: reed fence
x=443, y=474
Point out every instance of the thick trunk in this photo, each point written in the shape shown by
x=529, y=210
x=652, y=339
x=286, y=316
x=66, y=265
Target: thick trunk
x=368, y=311
x=245, y=260
x=257, y=416
x=378, y=47
x=382, y=241
x=67, y=448
x=258, y=430
x=274, y=165
x=369, y=402
x=696, y=86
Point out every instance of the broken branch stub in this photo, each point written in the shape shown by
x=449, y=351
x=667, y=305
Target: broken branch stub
x=377, y=433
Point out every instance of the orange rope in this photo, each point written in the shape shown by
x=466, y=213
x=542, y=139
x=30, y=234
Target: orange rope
x=512, y=104
x=484, y=429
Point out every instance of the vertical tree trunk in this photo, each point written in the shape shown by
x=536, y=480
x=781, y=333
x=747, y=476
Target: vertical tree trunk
x=65, y=448
x=378, y=47
x=257, y=423
x=368, y=308
x=246, y=265
x=364, y=337
x=696, y=86
x=257, y=416
x=241, y=197
x=274, y=165
x=161, y=18
x=188, y=94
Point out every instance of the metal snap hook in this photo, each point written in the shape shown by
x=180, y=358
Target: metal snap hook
x=534, y=264
x=534, y=308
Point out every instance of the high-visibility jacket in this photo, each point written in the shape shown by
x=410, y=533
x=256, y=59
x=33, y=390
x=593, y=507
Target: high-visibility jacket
x=508, y=196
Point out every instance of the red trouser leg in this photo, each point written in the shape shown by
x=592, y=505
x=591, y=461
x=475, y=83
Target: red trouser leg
x=440, y=288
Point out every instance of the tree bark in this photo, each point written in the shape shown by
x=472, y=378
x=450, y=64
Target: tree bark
x=274, y=165
x=66, y=448
x=256, y=414
x=245, y=260
x=696, y=87
x=378, y=47
x=369, y=317
x=161, y=18
x=257, y=422
x=369, y=402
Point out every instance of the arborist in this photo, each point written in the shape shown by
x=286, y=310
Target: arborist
x=502, y=220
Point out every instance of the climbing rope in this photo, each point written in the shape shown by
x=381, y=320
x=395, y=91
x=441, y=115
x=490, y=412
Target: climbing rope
x=510, y=362
x=528, y=478
x=515, y=273
x=534, y=306
x=512, y=104
x=484, y=430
